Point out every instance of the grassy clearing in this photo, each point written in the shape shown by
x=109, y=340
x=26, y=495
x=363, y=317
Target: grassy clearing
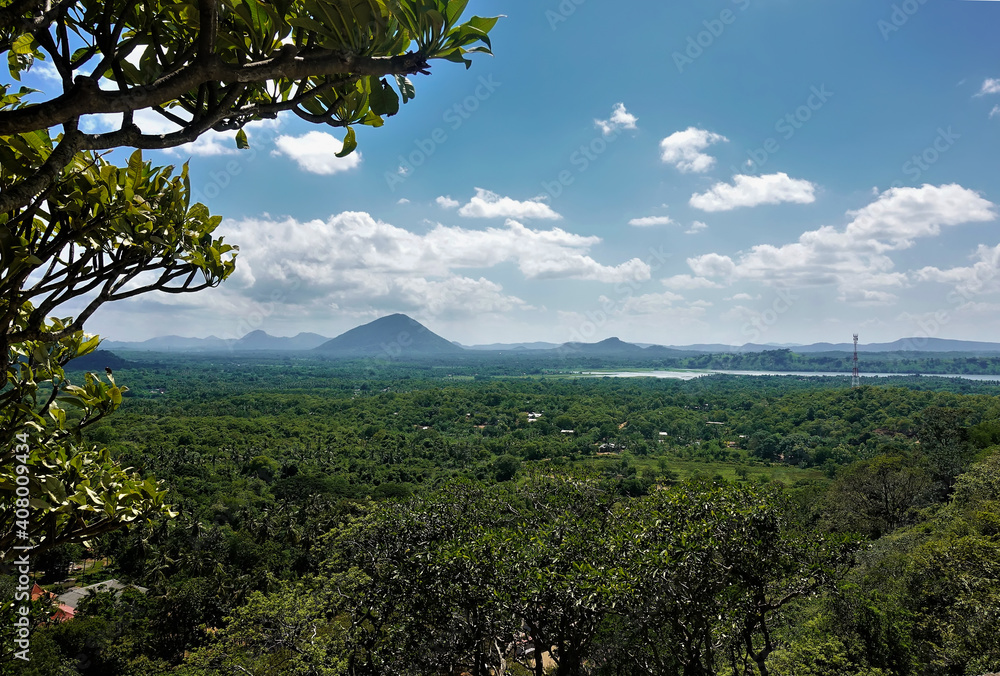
x=687, y=469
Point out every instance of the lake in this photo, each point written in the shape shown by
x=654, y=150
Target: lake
x=689, y=375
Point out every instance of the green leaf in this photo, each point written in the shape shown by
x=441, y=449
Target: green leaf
x=241, y=140
x=406, y=88
x=350, y=143
x=455, y=9
x=383, y=99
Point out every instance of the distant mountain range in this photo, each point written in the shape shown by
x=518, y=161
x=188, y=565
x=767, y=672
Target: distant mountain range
x=399, y=335
x=255, y=340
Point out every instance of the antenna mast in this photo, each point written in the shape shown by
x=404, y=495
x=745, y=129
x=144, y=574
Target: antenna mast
x=855, y=378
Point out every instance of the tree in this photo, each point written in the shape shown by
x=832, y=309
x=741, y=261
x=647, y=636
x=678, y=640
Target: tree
x=75, y=227
x=944, y=438
x=878, y=496
x=476, y=578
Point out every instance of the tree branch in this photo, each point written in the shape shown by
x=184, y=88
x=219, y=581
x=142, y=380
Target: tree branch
x=86, y=97
x=20, y=194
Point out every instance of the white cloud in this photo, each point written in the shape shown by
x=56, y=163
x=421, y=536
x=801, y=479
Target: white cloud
x=316, y=152
x=647, y=221
x=446, y=202
x=689, y=282
x=854, y=259
x=683, y=149
x=901, y=214
x=983, y=276
x=46, y=70
x=620, y=119
x=994, y=112
x=653, y=304
x=357, y=262
x=712, y=265
x=740, y=296
x=867, y=297
x=457, y=295
x=984, y=310
x=750, y=191
x=402, y=200
x=990, y=86
x=487, y=204
x=696, y=227
x=739, y=313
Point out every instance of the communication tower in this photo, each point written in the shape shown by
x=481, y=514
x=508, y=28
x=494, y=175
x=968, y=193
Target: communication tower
x=855, y=377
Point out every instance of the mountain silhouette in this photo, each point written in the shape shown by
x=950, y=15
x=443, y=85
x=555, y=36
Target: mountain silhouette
x=259, y=340
x=394, y=337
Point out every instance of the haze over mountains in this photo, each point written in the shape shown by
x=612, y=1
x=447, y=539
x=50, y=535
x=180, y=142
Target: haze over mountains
x=398, y=334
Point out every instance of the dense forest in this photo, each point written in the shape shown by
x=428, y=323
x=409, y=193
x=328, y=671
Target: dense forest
x=335, y=518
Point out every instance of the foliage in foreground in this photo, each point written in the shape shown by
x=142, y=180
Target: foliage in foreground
x=483, y=579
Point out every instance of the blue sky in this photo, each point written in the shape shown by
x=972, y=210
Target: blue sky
x=752, y=171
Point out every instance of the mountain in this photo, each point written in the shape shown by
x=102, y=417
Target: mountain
x=97, y=361
x=259, y=340
x=171, y=344
x=498, y=347
x=906, y=345
x=609, y=347
x=395, y=336
x=255, y=340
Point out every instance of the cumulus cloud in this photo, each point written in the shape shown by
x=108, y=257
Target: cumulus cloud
x=983, y=276
x=854, y=259
x=354, y=261
x=655, y=304
x=446, y=202
x=712, y=265
x=457, y=295
x=316, y=152
x=488, y=204
x=696, y=227
x=990, y=86
x=994, y=112
x=750, y=191
x=683, y=149
x=620, y=119
x=689, y=282
x=46, y=71
x=647, y=221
